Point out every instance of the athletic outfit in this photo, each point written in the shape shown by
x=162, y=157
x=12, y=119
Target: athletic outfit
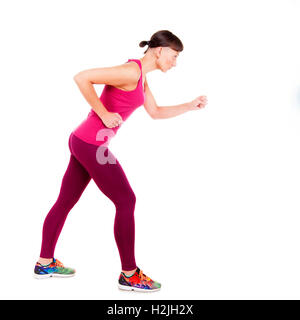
x=114, y=100
x=91, y=159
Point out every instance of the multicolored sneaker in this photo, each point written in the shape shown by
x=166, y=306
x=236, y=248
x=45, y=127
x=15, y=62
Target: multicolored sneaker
x=53, y=269
x=138, y=282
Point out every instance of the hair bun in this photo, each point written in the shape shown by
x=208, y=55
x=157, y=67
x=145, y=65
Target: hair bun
x=144, y=43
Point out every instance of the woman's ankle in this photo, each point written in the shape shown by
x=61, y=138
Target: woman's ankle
x=45, y=261
x=129, y=272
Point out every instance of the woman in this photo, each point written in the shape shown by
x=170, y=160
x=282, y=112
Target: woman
x=125, y=89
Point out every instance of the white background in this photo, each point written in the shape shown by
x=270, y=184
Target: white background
x=217, y=213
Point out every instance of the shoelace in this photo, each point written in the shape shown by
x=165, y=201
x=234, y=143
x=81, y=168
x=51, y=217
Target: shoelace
x=143, y=276
x=58, y=263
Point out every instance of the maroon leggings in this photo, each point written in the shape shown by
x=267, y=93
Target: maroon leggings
x=89, y=161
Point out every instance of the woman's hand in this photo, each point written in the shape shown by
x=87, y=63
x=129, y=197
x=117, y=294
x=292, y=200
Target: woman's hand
x=111, y=119
x=198, y=103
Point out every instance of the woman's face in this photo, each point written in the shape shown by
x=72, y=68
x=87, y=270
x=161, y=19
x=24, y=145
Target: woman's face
x=167, y=58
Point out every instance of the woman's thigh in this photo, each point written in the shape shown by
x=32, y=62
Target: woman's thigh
x=108, y=175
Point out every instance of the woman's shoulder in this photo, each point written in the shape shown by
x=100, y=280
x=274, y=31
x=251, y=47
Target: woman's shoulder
x=133, y=67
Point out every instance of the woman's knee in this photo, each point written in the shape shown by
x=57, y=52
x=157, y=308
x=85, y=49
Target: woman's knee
x=66, y=203
x=126, y=199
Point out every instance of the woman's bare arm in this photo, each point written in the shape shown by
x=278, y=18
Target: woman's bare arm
x=172, y=111
x=149, y=103
x=116, y=76
x=88, y=91
x=157, y=112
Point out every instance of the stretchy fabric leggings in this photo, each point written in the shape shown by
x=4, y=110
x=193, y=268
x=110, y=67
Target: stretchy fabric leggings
x=110, y=178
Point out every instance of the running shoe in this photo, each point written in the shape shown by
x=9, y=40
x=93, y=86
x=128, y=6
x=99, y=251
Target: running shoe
x=53, y=269
x=138, y=282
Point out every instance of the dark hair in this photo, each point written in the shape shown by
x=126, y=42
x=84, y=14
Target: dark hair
x=163, y=38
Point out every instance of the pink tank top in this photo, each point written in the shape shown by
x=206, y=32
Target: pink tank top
x=92, y=129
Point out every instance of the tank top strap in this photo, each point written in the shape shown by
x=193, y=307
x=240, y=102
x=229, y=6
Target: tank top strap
x=137, y=61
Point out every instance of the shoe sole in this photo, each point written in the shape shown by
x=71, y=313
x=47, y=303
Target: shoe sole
x=127, y=288
x=53, y=275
